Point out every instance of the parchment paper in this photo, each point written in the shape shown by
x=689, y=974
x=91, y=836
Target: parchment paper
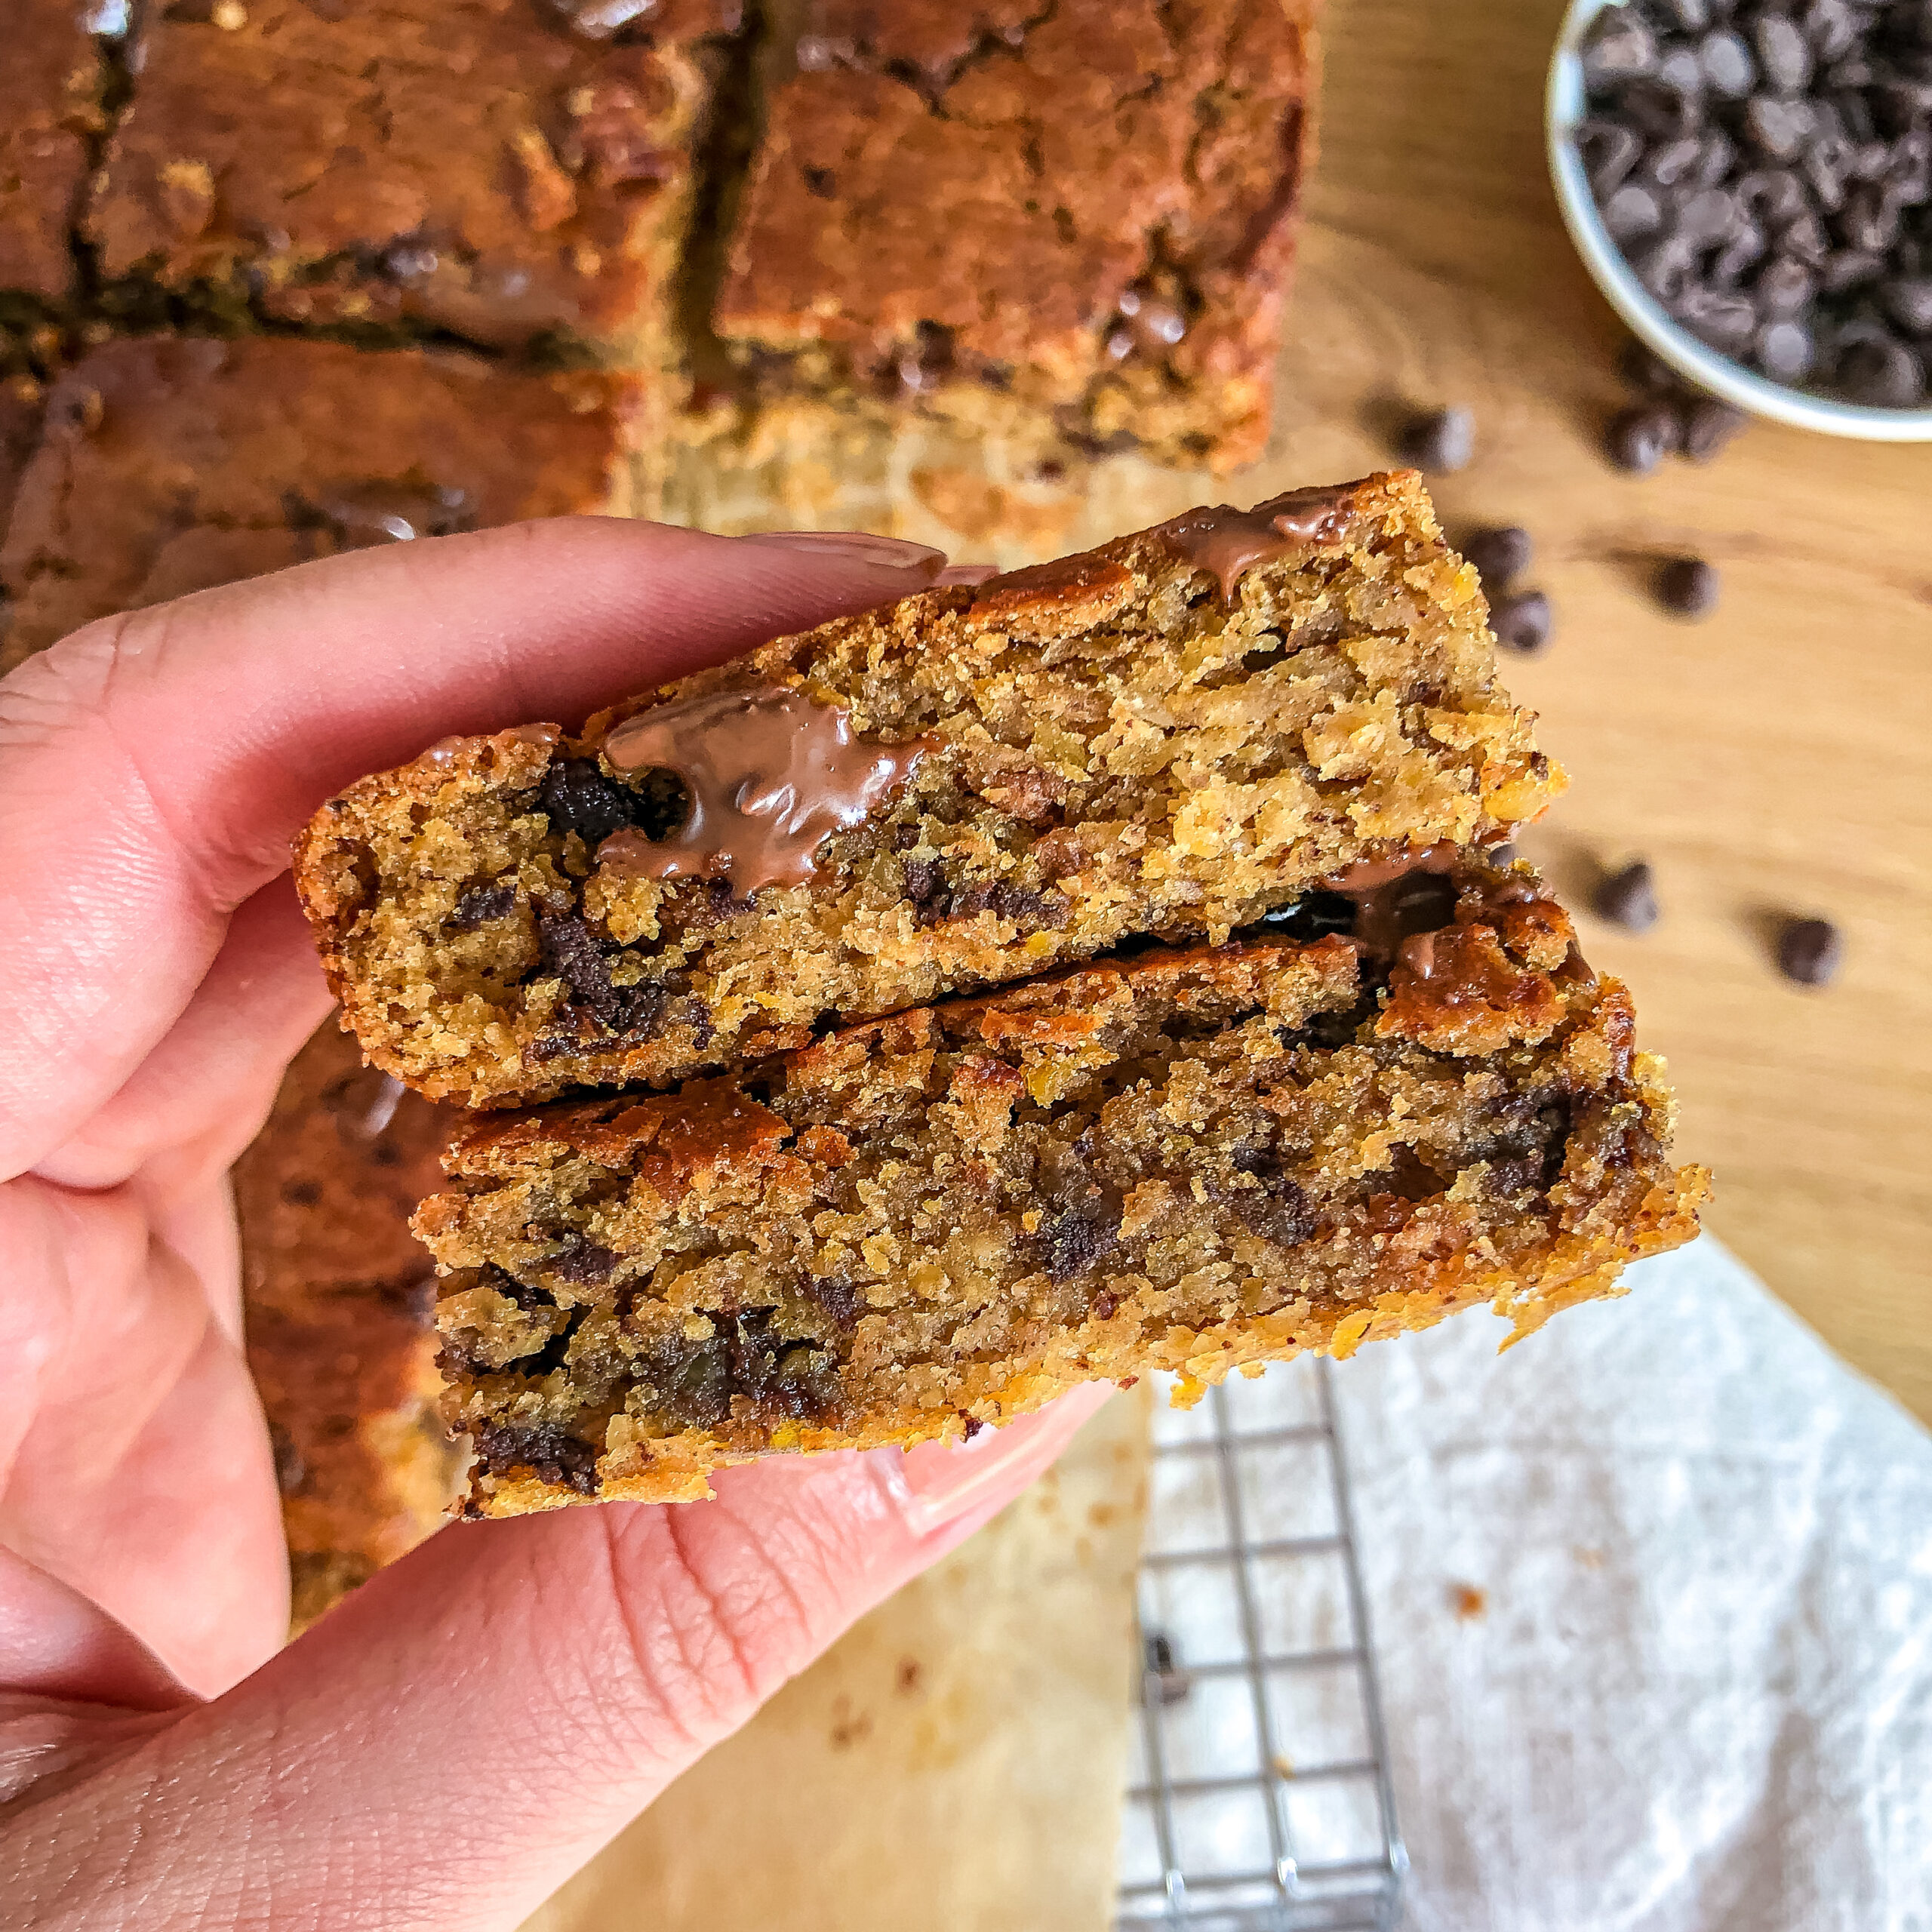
x=955, y=1765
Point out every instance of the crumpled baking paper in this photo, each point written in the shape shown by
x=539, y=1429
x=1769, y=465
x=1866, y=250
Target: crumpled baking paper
x=1652, y=1602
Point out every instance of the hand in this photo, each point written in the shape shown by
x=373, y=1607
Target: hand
x=462, y=1733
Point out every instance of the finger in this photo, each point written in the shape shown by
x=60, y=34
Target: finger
x=202, y=1094
x=119, y=1373
x=511, y=1696
x=54, y=1642
x=153, y=766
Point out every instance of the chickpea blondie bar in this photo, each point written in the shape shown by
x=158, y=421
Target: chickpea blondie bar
x=1173, y=734
x=165, y=465
x=498, y=172
x=1409, y=1098
x=338, y=1302
x=1083, y=214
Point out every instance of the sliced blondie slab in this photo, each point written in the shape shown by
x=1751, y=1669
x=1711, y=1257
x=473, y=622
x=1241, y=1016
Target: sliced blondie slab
x=1190, y=1159
x=1173, y=734
x=338, y=1301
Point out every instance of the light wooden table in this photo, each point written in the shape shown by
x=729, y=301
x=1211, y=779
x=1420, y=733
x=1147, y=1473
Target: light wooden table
x=1777, y=756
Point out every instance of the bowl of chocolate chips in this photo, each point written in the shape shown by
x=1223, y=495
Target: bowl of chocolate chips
x=1750, y=183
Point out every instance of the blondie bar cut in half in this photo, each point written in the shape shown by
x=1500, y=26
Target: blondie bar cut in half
x=1191, y=1160
x=1079, y=215
x=1173, y=734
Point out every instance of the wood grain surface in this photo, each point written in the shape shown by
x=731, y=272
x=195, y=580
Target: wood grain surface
x=1776, y=757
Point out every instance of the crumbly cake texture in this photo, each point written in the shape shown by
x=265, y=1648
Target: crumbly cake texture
x=338, y=1300
x=1192, y=1160
x=166, y=465
x=502, y=170
x=1082, y=213
x=1132, y=741
x=51, y=84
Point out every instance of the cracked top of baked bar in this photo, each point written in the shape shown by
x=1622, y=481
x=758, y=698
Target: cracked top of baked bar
x=497, y=168
x=1086, y=205
x=50, y=102
x=166, y=465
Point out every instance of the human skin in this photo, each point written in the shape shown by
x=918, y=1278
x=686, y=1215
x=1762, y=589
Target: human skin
x=469, y=1727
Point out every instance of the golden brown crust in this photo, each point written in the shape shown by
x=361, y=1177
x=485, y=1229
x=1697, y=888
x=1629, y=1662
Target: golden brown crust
x=1085, y=211
x=1187, y=1161
x=1110, y=747
x=491, y=170
x=50, y=105
x=167, y=465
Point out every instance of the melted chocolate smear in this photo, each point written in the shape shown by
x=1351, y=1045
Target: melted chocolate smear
x=769, y=776
x=1227, y=542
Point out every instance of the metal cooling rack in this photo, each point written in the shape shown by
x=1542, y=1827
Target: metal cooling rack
x=1259, y=1796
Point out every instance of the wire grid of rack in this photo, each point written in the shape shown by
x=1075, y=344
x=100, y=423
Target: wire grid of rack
x=1259, y=1797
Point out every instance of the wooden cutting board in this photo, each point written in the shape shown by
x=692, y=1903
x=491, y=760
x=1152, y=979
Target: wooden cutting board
x=1775, y=758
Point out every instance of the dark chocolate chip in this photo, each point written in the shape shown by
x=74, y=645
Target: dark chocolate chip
x=1609, y=151
x=1868, y=222
x=1646, y=372
x=1279, y=1209
x=1776, y=127
x=1728, y=67
x=1618, y=46
x=582, y=1260
x=1639, y=439
x=1632, y=212
x=1071, y=1243
x=1658, y=110
x=1163, y=1681
x=482, y=903
x=569, y=950
x=1881, y=374
x=1709, y=426
x=1784, y=287
x=576, y=796
x=1811, y=952
x=1688, y=586
x=1774, y=194
x=547, y=1449
x=1439, y=442
x=1628, y=898
x=837, y=1297
x=1681, y=68
x=1908, y=300
x=1783, y=58
x=1500, y=554
x=1784, y=350
x=1726, y=321
x=1522, y=621
x=1709, y=215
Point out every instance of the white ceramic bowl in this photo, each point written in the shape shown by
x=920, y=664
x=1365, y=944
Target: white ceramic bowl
x=1648, y=319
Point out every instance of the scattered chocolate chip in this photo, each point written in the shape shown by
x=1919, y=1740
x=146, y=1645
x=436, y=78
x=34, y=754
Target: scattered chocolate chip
x=547, y=1449
x=1784, y=350
x=1811, y=952
x=1500, y=554
x=1639, y=439
x=1646, y=372
x=1688, y=586
x=1707, y=426
x=1522, y=620
x=582, y=1260
x=1165, y=1682
x=837, y=1297
x=1628, y=898
x=1439, y=442
x=576, y=796
x=1620, y=45
x=482, y=903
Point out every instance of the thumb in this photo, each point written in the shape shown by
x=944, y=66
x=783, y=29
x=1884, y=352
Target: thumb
x=474, y=1723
